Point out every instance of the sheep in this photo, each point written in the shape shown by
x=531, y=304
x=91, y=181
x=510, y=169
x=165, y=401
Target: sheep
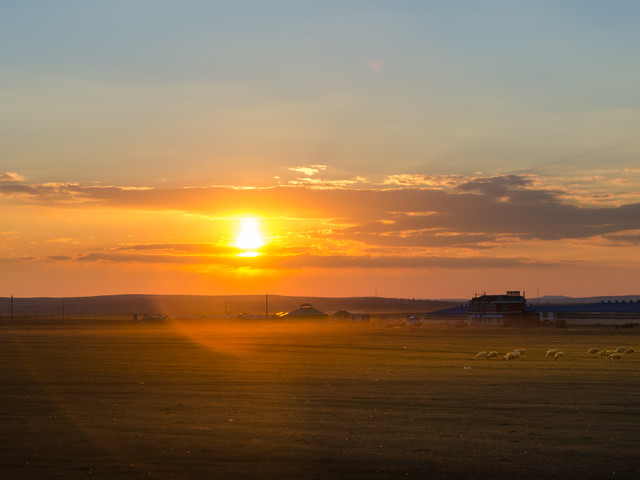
x=492, y=354
x=481, y=355
x=603, y=353
x=521, y=351
x=629, y=350
x=558, y=356
x=592, y=351
x=551, y=353
x=513, y=355
x=620, y=349
x=615, y=356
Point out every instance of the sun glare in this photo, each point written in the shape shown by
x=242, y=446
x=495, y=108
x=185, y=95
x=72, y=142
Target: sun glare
x=249, y=238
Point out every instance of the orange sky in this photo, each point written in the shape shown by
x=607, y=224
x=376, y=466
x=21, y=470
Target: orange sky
x=406, y=149
x=436, y=238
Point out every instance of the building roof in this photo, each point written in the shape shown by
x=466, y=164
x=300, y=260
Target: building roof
x=306, y=311
x=498, y=299
x=599, y=307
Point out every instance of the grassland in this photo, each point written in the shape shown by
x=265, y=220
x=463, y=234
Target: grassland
x=112, y=399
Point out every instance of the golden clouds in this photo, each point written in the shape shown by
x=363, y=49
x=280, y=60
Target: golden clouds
x=457, y=223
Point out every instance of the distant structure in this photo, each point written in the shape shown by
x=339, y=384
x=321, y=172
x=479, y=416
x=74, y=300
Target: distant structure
x=345, y=316
x=306, y=312
x=497, y=309
x=511, y=309
x=623, y=313
x=148, y=317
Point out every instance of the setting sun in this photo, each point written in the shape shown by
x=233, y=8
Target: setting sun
x=249, y=238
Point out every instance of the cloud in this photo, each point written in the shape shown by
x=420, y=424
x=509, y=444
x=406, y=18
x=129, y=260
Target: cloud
x=10, y=177
x=427, y=211
x=308, y=170
x=496, y=186
x=417, y=180
x=64, y=240
x=305, y=260
x=621, y=240
x=12, y=190
x=59, y=257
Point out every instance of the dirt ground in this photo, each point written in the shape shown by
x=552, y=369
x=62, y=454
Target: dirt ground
x=191, y=399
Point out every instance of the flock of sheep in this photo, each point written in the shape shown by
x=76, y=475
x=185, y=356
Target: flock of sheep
x=616, y=354
x=512, y=355
x=556, y=354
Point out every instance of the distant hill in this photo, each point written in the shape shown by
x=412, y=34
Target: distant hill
x=248, y=304
x=208, y=305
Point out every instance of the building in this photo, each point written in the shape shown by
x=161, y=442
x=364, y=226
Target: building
x=623, y=313
x=507, y=309
x=343, y=315
x=305, y=312
x=512, y=310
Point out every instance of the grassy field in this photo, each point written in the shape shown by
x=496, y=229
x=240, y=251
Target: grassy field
x=189, y=399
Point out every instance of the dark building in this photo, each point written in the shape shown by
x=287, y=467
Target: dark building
x=511, y=309
x=511, y=302
x=306, y=312
x=343, y=315
x=497, y=309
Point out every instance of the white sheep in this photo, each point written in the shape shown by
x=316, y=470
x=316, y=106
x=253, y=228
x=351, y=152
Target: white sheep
x=603, y=353
x=620, y=349
x=558, y=356
x=629, y=350
x=592, y=351
x=615, y=356
x=521, y=351
x=551, y=352
x=516, y=354
x=492, y=354
x=481, y=355
x=508, y=356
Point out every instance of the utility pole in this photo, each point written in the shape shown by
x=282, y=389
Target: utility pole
x=266, y=305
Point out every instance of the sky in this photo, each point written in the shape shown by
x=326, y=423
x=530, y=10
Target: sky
x=413, y=149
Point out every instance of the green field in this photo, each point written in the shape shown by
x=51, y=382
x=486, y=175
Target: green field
x=191, y=399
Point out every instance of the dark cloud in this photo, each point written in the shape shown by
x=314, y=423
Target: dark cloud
x=10, y=189
x=392, y=238
x=495, y=186
x=623, y=240
x=307, y=261
x=137, y=258
x=479, y=212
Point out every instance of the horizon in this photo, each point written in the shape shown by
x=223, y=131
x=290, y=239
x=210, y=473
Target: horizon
x=319, y=297
x=350, y=150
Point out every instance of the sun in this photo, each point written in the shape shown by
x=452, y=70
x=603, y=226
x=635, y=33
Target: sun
x=249, y=237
